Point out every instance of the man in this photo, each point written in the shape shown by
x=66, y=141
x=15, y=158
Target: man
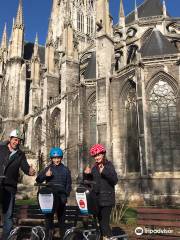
x=12, y=159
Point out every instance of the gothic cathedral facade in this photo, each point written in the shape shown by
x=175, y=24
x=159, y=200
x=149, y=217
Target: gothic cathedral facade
x=98, y=82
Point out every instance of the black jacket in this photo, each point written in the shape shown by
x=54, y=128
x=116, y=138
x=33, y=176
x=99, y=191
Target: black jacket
x=105, y=183
x=60, y=175
x=10, y=165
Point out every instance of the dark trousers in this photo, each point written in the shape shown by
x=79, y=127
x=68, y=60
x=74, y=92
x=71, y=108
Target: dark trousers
x=104, y=220
x=8, y=200
x=59, y=210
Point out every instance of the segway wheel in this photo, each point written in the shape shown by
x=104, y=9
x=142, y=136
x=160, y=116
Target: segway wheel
x=74, y=236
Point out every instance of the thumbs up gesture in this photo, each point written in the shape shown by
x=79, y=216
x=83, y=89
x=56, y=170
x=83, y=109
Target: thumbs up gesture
x=32, y=171
x=87, y=170
x=49, y=173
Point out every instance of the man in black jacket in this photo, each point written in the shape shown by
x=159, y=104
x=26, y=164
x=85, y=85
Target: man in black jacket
x=105, y=177
x=11, y=160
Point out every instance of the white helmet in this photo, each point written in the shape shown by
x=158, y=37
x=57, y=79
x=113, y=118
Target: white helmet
x=16, y=133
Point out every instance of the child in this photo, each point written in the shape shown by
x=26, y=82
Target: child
x=56, y=173
x=105, y=176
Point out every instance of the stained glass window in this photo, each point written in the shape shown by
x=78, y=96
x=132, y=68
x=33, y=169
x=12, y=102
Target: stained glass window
x=164, y=127
x=132, y=132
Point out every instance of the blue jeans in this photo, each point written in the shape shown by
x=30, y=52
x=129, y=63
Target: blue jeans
x=8, y=200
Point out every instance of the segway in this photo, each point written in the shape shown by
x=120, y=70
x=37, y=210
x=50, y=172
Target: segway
x=47, y=200
x=32, y=233
x=87, y=203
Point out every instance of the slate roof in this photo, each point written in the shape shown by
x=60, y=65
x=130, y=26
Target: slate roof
x=90, y=72
x=28, y=51
x=148, y=8
x=157, y=44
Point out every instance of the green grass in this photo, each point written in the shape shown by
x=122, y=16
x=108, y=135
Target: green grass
x=129, y=216
x=26, y=202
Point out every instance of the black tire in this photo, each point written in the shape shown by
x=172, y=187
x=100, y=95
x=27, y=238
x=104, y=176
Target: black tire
x=74, y=236
x=20, y=233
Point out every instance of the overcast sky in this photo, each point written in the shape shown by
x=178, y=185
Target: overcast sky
x=37, y=12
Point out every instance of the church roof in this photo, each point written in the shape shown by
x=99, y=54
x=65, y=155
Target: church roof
x=28, y=51
x=157, y=44
x=90, y=72
x=148, y=8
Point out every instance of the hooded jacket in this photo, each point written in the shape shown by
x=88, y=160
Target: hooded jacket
x=10, y=164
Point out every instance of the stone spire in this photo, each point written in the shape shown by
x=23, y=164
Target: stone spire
x=3, y=50
x=68, y=34
x=68, y=10
x=102, y=16
x=17, y=37
x=49, y=39
x=4, y=38
x=164, y=9
x=136, y=11
x=36, y=46
x=19, y=17
x=11, y=36
x=49, y=52
x=35, y=64
x=121, y=14
x=10, y=40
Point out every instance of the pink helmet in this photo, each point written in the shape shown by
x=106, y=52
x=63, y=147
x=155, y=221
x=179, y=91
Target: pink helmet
x=96, y=149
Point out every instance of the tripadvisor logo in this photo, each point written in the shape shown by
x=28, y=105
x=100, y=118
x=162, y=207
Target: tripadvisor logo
x=139, y=231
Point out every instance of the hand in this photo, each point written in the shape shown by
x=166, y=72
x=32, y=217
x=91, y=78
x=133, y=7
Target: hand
x=32, y=171
x=101, y=167
x=49, y=173
x=87, y=170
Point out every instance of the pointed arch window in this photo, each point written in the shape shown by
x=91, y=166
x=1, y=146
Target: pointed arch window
x=55, y=127
x=146, y=35
x=3, y=100
x=132, y=149
x=80, y=21
x=90, y=23
x=92, y=119
x=1, y=126
x=90, y=3
x=165, y=128
x=38, y=135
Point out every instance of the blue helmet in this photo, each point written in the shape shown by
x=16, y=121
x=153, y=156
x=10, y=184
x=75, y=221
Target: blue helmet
x=56, y=152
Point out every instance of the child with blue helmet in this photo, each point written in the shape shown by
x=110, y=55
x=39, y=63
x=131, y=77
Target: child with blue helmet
x=59, y=176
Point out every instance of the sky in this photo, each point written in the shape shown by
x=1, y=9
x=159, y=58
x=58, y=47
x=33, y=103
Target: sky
x=37, y=12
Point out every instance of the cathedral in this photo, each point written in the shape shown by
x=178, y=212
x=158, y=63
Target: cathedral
x=96, y=82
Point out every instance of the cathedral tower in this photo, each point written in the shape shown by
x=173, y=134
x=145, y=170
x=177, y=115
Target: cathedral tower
x=15, y=84
x=104, y=54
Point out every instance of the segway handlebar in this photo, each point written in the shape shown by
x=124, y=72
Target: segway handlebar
x=48, y=184
x=56, y=186
x=89, y=182
x=2, y=177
